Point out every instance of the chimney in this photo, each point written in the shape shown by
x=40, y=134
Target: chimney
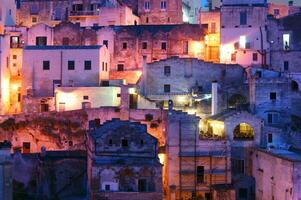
x=214, y=98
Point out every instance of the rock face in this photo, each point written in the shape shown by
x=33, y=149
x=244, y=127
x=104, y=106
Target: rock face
x=54, y=131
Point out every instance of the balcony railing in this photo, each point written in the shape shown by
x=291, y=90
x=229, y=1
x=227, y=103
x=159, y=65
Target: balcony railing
x=16, y=45
x=84, y=12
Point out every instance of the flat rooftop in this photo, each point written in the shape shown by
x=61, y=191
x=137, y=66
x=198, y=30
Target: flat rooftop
x=283, y=154
x=61, y=47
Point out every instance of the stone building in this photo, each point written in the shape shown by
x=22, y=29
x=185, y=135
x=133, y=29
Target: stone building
x=123, y=162
x=52, y=12
x=160, y=12
x=285, y=43
x=6, y=182
x=278, y=10
x=128, y=44
x=271, y=182
x=188, y=83
x=243, y=33
x=271, y=97
x=7, y=14
x=195, y=167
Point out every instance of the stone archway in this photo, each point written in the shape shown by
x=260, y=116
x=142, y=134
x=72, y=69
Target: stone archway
x=243, y=131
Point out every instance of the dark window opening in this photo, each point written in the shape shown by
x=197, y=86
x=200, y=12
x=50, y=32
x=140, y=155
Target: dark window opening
x=41, y=41
x=110, y=142
x=144, y=45
x=141, y=142
x=124, y=45
x=26, y=147
x=44, y=107
x=273, y=96
x=243, y=193
x=255, y=57
x=124, y=143
x=166, y=88
x=46, y=65
x=200, y=170
x=107, y=187
x=163, y=46
x=120, y=67
x=88, y=65
x=86, y=97
x=65, y=41
x=133, y=101
x=142, y=185
x=71, y=65
x=270, y=138
x=285, y=65
x=106, y=43
x=243, y=18
x=167, y=70
x=238, y=166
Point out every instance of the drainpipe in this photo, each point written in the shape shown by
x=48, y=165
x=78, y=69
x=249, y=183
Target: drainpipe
x=214, y=98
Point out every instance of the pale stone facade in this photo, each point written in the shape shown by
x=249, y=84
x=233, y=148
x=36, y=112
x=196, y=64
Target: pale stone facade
x=7, y=14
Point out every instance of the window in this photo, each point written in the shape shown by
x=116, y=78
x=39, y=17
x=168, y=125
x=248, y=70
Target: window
x=163, y=5
x=110, y=142
x=243, y=193
x=144, y=45
x=88, y=65
x=273, y=118
x=120, y=67
x=286, y=41
x=142, y=185
x=46, y=65
x=285, y=65
x=71, y=65
x=242, y=42
x=141, y=142
x=146, y=5
x=213, y=27
x=146, y=20
x=106, y=43
x=124, y=143
x=107, y=187
x=14, y=42
x=124, y=45
x=44, y=107
x=270, y=138
x=61, y=107
x=19, y=97
x=106, y=67
x=233, y=57
x=255, y=57
x=26, y=147
x=291, y=3
x=167, y=70
x=276, y=12
x=273, y=96
x=163, y=46
x=166, y=88
x=65, y=41
x=185, y=47
x=14, y=57
x=86, y=97
x=243, y=18
x=34, y=19
x=238, y=166
x=200, y=174
x=41, y=41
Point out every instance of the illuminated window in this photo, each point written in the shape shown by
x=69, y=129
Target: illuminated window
x=286, y=41
x=242, y=42
x=243, y=131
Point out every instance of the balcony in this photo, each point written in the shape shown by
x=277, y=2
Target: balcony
x=16, y=45
x=84, y=12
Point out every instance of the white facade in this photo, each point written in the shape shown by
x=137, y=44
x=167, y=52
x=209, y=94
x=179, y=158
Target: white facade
x=7, y=14
x=40, y=30
x=45, y=67
x=74, y=98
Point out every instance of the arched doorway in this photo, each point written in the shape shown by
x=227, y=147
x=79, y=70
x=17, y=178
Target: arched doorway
x=235, y=100
x=294, y=86
x=243, y=131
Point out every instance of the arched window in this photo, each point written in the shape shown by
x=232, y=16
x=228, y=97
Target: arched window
x=243, y=131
